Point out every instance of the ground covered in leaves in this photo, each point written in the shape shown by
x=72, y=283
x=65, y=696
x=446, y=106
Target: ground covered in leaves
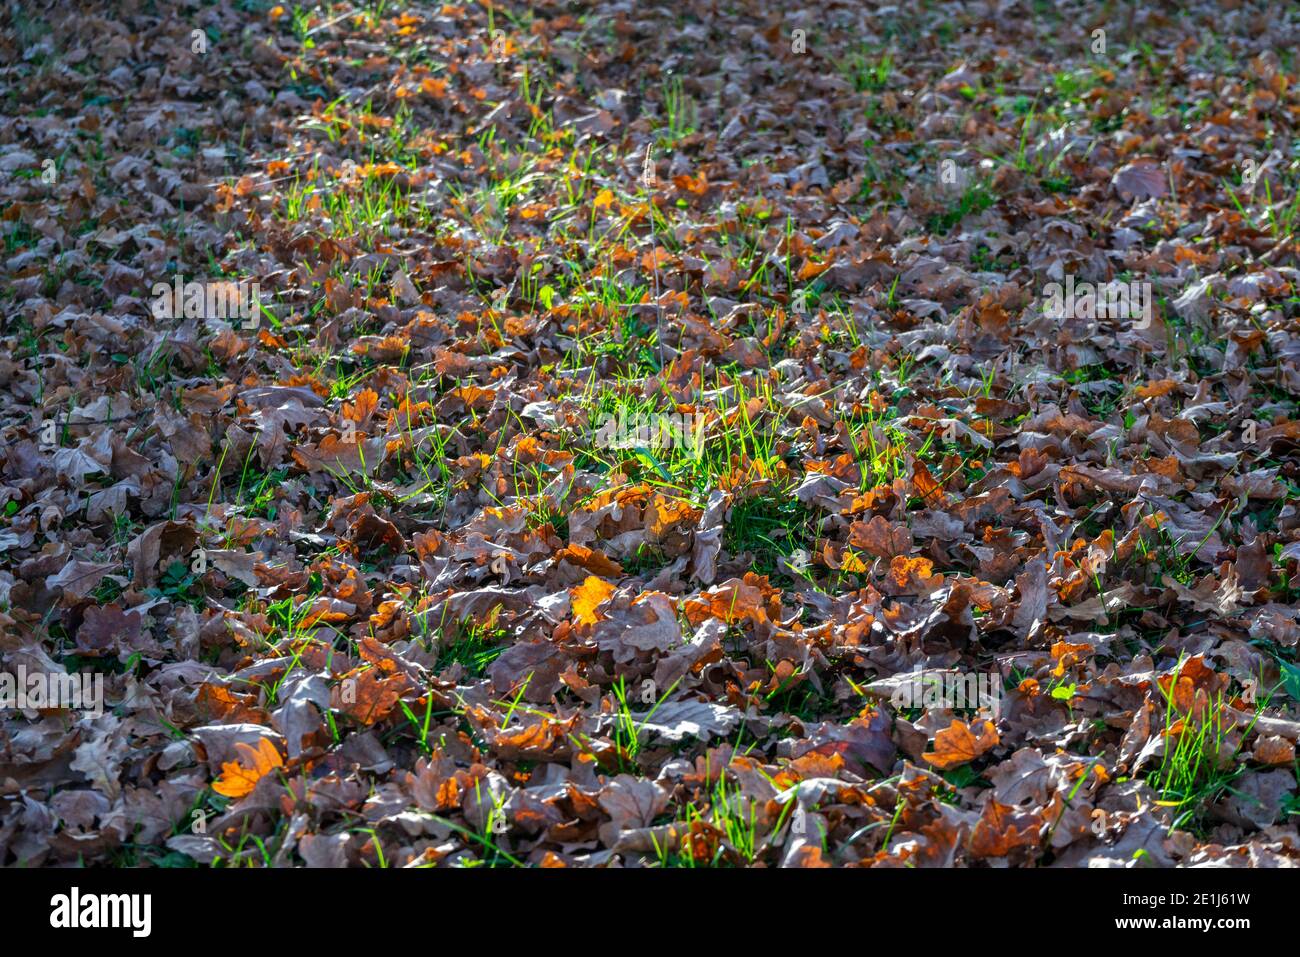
x=367, y=587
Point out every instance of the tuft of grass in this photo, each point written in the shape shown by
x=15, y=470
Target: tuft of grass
x=768, y=526
x=478, y=645
x=976, y=198
x=868, y=74
x=625, y=736
x=680, y=112
x=726, y=832
x=1199, y=763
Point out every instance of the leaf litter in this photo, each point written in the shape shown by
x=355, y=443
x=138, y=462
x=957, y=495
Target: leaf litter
x=660, y=435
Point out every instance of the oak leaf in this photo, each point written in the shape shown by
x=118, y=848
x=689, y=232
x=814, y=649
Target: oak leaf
x=960, y=743
x=587, y=597
x=238, y=778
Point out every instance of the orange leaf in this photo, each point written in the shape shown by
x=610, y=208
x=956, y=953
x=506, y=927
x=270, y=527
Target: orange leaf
x=1156, y=389
x=929, y=490
x=591, y=559
x=1275, y=750
x=851, y=563
x=364, y=406
x=587, y=596
x=534, y=210
x=434, y=86
x=811, y=270
x=912, y=576
x=655, y=258
x=240, y=777
x=959, y=743
x=372, y=694
x=1002, y=828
